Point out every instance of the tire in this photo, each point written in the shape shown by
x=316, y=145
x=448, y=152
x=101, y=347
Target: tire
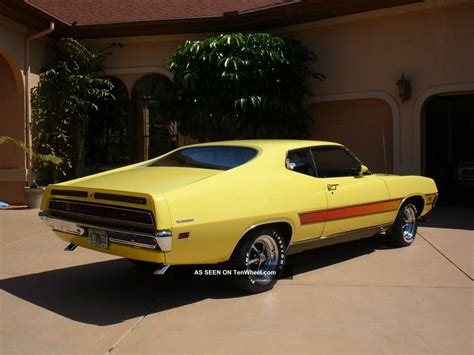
x=262, y=249
x=403, y=231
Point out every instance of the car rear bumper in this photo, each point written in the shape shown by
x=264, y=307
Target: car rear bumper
x=158, y=241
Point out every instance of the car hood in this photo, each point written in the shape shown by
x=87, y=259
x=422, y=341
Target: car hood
x=149, y=180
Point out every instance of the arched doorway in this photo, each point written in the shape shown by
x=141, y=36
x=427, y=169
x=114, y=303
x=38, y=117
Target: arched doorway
x=12, y=162
x=109, y=131
x=153, y=135
x=448, y=146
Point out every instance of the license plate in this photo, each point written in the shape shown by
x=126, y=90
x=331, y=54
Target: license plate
x=98, y=238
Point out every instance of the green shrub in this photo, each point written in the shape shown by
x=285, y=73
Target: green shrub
x=240, y=86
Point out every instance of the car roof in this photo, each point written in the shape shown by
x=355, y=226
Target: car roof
x=270, y=144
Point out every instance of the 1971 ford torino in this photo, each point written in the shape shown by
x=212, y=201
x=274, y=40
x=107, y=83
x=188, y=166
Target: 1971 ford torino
x=246, y=203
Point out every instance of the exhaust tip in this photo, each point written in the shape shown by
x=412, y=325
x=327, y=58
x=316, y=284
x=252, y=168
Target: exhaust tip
x=161, y=270
x=71, y=247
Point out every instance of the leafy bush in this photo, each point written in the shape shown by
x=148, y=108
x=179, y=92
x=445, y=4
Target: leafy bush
x=237, y=86
x=62, y=102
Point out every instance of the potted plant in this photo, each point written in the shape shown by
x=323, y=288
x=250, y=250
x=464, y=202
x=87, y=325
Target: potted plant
x=33, y=192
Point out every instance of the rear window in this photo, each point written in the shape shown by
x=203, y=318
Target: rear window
x=212, y=157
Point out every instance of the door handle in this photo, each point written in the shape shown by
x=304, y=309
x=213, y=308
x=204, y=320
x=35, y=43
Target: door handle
x=332, y=187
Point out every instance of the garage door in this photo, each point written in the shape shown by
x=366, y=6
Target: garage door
x=358, y=124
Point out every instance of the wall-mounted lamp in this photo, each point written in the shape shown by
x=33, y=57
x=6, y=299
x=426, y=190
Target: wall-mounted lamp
x=404, y=88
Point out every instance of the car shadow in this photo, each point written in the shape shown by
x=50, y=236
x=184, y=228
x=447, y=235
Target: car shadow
x=111, y=292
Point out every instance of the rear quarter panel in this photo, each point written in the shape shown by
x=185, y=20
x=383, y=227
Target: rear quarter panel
x=217, y=211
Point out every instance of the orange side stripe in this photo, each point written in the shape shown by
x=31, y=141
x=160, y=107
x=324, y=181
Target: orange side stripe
x=313, y=217
x=348, y=212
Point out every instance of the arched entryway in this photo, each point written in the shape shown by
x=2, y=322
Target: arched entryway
x=447, y=131
x=12, y=164
x=109, y=131
x=153, y=136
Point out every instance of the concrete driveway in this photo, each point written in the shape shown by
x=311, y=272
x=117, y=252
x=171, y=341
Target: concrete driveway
x=359, y=297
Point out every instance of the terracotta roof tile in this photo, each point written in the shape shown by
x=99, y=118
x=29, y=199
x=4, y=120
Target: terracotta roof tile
x=87, y=12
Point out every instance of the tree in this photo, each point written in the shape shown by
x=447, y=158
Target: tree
x=62, y=102
x=237, y=86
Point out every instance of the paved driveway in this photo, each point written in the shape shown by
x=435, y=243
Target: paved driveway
x=359, y=297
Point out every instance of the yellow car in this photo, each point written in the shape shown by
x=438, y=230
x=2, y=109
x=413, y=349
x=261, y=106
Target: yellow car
x=245, y=203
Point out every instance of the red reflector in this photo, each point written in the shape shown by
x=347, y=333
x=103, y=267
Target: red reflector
x=183, y=235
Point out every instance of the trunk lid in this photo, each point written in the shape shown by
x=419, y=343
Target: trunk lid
x=146, y=180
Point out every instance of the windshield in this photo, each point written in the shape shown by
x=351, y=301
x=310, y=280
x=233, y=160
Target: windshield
x=211, y=157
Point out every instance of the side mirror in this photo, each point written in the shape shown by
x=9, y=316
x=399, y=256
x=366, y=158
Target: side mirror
x=361, y=169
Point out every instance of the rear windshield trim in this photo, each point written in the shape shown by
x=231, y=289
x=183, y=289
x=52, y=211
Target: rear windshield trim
x=202, y=165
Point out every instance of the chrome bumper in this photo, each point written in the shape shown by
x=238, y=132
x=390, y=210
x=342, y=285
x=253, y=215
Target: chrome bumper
x=162, y=238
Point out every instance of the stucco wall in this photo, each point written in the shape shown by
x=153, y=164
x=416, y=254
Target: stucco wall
x=341, y=121
x=12, y=118
x=139, y=56
x=431, y=44
x=11, y=115
x=362, y=56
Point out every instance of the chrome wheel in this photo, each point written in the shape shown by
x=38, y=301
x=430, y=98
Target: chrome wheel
x=259, y=259
x=409, y=224
x=403, y=231
x=263, y=258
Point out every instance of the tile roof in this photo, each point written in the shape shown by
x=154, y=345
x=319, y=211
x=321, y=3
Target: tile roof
x=90, y=12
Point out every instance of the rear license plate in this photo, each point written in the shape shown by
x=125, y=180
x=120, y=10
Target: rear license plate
x=98, y=238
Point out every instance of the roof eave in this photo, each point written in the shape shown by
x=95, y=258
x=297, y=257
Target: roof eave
x=258, y=20
x=32, y=17
x=261, y=20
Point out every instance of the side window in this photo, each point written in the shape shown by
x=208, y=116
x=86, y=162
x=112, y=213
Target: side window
x=334, y=162
x=301, y=162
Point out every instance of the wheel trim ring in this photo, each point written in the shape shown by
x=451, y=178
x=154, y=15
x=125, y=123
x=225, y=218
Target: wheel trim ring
x=270, y=249
x=409, y=224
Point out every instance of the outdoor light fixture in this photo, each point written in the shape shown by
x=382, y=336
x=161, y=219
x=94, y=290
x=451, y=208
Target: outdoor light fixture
x=404, y=88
